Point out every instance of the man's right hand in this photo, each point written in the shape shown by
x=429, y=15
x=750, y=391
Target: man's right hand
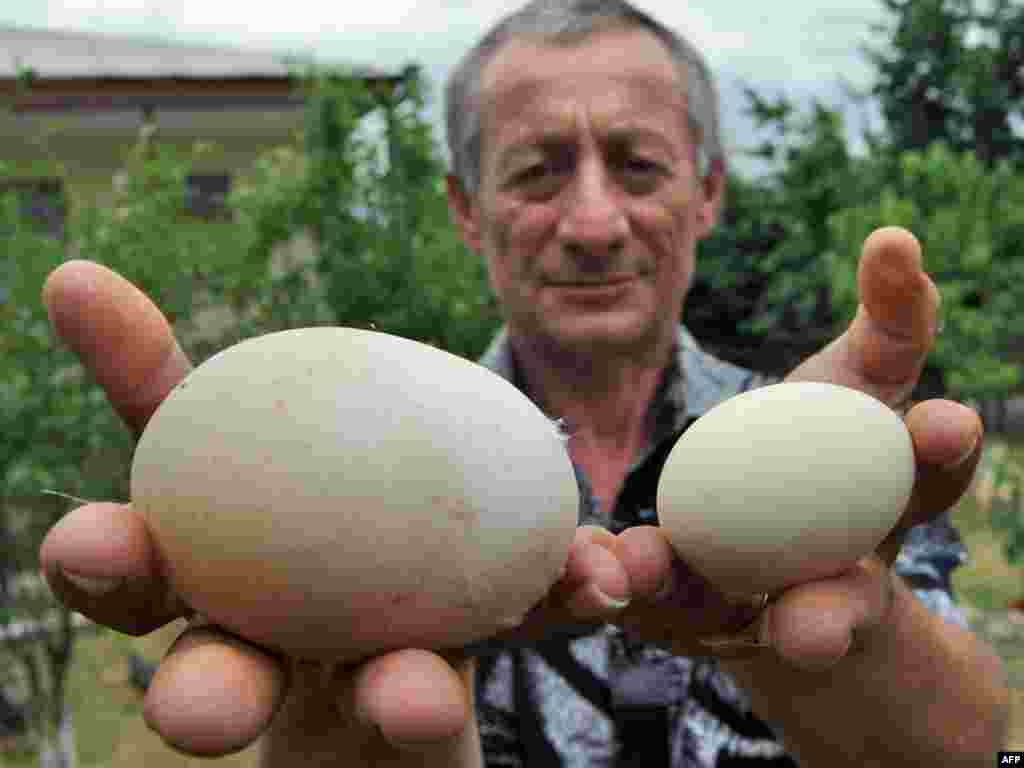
x=214, y=693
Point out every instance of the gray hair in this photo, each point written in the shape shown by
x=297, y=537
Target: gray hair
x=567, y=22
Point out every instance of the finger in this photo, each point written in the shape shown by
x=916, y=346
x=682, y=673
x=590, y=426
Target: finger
x=595, y=585
x=118, y=334
x=885, y=347
x=895, y=325
x=101, y=562
x=948, y=439
x=673, y=604
x=593, y=589
x=376, y=713
x=213, y=694
x=416, y=699
x=814, y=625
x=648, y=557
x=901, y=305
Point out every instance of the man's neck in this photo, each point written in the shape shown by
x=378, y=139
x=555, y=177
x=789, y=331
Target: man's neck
x=604, y=401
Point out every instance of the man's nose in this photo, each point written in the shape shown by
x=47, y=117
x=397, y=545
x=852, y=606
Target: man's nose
x=593, y=223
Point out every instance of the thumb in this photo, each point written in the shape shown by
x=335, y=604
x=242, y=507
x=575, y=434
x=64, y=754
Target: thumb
x=415, y=697
x=885, y=347
x=816, y=624
x=399, y=709
x=118, y=334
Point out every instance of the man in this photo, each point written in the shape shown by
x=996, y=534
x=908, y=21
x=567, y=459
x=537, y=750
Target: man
x=577, y=131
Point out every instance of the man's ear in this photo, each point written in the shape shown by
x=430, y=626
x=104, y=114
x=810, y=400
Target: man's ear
x=713, y=190
x=464, y=212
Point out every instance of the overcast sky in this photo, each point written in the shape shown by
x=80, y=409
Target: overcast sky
x=802, y=47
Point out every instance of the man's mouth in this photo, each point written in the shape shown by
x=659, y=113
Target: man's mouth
x=589, y=292
x=604, y=282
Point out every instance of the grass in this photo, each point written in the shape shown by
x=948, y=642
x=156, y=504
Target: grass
x=107, y=711
x=110, y=732
x=987, y=583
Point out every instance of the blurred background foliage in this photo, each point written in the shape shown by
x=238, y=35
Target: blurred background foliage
x=383, y=255
x=775, y=281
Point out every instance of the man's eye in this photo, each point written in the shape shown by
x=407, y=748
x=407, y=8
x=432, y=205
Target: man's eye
x=531, y=173
x=641, y=176
x=639, y=165
x=540, y=181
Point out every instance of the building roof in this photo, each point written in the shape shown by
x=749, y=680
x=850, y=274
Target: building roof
x=62, y=54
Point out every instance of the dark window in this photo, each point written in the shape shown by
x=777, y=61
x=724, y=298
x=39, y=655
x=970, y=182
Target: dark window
x=206, y=194
x=41, y=201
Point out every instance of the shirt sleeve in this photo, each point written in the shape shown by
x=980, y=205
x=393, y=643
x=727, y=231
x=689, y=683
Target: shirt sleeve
x=930, y=554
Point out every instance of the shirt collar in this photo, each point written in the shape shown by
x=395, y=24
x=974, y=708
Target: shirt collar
x=692, y=383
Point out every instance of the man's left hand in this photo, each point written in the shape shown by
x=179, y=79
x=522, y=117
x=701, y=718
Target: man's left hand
x=882, y=353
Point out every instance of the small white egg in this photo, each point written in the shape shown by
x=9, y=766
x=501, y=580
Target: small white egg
x=335, y=492
x=785, y=484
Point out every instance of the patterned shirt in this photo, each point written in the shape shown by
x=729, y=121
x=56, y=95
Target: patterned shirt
x=602, y=699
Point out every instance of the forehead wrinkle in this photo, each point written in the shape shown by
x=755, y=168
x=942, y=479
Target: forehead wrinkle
x=524, y=113
x=524, y=91
x=522, y=86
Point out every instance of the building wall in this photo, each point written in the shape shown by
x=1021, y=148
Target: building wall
x=88, y=149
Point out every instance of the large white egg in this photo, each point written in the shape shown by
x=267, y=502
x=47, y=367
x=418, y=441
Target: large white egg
x=334, y=492
x=785, y=484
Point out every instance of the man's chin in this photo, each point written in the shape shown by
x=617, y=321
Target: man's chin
x=597, y=334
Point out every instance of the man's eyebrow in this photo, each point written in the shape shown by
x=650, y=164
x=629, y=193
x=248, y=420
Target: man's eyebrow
x=543, y=141
x=546, y=138
x=626, y=135
x=547, y=141
x=553, y=137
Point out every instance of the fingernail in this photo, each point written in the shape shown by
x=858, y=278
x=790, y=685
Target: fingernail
x=96, y=586
x=764, y=633
x=967, y=454
x=846, y=648
x=581, y=604
x=611, y=603
x=667, y=587
x=829, y=662
x=410, y=742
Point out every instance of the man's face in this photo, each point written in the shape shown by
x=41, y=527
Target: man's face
x=589, y=206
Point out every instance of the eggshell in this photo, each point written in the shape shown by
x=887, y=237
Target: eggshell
x=785, y=484
x=335, y=492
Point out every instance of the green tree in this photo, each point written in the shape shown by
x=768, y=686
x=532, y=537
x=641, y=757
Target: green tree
x=994, y=83
x=389, y=257
x=970, y=221
x=386, y=256
x=45, y=416
x=761, y=297
x=778, y=278
x=953, y=71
